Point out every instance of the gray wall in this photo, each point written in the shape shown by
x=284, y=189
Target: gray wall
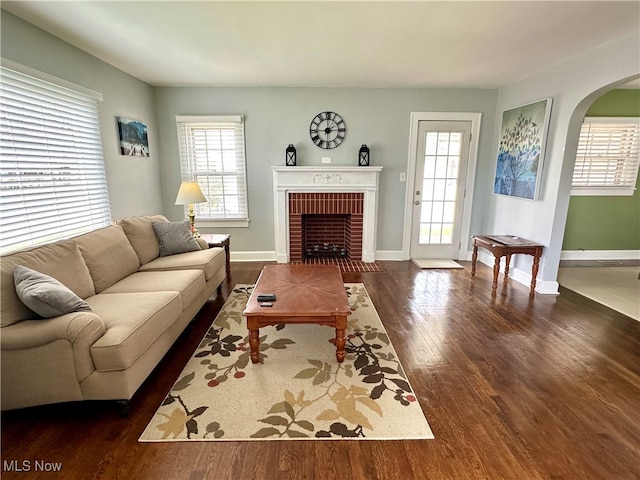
x=276, y=117
x=134, y=182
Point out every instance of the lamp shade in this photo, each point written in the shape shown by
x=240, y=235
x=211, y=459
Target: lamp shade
x=190, y=193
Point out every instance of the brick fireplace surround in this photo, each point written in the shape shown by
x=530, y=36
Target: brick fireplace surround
x=317, y=218
x=346, y=195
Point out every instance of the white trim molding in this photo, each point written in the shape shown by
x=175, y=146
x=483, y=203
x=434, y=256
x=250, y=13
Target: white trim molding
x=416, y=117
x=595, y=255
x=266, y=256
x=325, y=179
x=391, y=255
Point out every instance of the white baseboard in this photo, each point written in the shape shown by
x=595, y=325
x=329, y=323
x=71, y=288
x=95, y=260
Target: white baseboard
x=542, y=287
x=269, y=256
x=392, y=255
x=595, y=255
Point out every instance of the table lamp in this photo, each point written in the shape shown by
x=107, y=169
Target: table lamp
x=189, y=194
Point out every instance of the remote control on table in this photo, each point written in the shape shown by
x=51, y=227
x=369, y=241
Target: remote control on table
x=266, y=297
x=266, y=304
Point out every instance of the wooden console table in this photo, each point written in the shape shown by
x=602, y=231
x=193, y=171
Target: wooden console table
x=506, y=245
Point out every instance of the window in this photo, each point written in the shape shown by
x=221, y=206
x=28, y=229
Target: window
x=608, y=157
x=212, y=154
x=52, y=177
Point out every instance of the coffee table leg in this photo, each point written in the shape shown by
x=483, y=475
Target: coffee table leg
x=340, y=341
x=254, y=339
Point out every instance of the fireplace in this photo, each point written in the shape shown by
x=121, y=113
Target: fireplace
x=336, y=206
x=325, y=224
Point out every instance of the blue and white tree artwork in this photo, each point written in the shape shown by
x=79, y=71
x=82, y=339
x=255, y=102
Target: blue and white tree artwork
x=521, y=150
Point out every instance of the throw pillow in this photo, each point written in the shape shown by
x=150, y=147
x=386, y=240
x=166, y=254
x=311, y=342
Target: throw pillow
x=45, y=295
x=174, y=237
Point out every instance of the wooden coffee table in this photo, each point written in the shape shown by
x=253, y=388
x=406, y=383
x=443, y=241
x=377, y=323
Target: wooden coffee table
x=312, y=294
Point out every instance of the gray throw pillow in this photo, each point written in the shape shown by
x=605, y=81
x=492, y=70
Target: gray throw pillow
x=174, y=237
x=45, y=295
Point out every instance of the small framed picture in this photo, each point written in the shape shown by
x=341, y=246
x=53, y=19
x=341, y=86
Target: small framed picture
x=523, y=136
x=133, y=137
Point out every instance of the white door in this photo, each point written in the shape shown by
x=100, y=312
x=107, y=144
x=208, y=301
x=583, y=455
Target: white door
x=439, y=189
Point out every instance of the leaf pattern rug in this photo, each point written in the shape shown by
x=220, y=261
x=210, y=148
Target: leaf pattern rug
x=298, y=390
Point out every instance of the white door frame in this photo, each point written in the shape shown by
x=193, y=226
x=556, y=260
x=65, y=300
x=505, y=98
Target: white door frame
x=416, y=117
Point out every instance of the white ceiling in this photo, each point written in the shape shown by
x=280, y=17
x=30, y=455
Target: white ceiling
x=333, y=43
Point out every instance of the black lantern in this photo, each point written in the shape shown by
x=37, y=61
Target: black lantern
x=291, y=156
x=363, y=156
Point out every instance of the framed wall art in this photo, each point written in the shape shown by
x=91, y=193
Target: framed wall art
x=523, y=136
x=133, y=137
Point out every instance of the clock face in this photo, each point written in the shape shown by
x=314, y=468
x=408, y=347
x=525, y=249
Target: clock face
x=327, y=130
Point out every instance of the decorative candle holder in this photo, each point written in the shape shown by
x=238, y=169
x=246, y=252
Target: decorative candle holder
x=363, y=156
x=290, y=157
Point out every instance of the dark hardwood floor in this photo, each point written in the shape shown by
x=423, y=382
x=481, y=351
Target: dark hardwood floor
x=513, y=388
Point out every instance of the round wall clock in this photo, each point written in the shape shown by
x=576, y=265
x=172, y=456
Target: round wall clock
x=327, y=130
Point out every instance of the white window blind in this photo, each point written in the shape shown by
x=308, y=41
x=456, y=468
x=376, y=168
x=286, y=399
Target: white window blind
x=52, y=176
x=608, y=156
x=212, y=154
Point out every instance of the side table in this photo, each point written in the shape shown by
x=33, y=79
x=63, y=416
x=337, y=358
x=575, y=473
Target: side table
x=220, y=240
x=506, y=245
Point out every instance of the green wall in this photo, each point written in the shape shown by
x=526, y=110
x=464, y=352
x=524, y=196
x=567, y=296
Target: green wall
x=606, y=223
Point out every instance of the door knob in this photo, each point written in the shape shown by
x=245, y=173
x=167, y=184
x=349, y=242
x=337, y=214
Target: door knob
x=417, y=192
x=417, y=202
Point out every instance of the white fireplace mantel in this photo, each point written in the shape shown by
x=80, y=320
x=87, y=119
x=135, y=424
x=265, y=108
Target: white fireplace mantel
x=325, y=179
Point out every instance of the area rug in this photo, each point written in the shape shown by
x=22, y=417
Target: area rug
x=435, y=263
x=298, y=390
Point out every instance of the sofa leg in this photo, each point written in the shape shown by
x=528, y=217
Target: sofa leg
x=219, y=289
x=123, y=408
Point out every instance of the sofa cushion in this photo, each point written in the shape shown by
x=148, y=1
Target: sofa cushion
x=141, y=235
x=108, y=255
x=209, y=261
x=45, y=295
x=174, y=238
x=61, y=260
x=189, y=283
x=133, y=321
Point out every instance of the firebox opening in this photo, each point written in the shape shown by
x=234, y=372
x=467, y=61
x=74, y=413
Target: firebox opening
x=334, y=219
x=326, y=235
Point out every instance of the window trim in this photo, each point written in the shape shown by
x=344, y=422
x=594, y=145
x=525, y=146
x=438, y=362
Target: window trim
x=202, y=221
x=612, y=190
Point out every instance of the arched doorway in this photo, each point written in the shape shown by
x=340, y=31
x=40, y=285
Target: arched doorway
x=599, y=251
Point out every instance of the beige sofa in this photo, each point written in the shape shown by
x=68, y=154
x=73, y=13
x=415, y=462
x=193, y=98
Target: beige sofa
x=140, y=304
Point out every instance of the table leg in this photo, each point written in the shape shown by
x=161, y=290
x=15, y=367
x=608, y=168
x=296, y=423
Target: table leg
x=227, y=255
x=254, y=339
x=340, y=341
x=506, y=269
x=496, y=272
x=534, y=273
x=474, y=258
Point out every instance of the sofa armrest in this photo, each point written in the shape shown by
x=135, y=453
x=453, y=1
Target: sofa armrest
x=80, y=329
x=76, y=327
